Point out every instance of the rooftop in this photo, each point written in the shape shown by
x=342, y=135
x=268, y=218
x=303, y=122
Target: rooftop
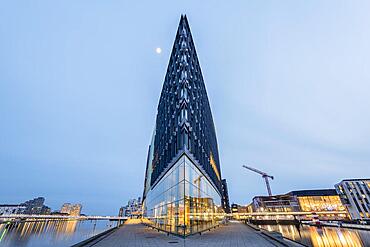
x=319, y=192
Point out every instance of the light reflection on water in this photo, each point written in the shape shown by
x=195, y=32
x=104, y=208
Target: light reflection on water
x=324, y=236
x=50, y=233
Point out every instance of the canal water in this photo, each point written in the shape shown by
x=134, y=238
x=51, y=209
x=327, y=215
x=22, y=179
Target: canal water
x=323, y=236
x=56, y=233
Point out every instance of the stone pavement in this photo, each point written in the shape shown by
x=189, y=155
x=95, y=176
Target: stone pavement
x=234, y=234
x=230, y=235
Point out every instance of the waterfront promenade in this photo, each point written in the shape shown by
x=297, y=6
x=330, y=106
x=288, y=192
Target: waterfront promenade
x=234, y=234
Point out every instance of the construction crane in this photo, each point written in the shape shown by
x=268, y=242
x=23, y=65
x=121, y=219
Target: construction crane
x=264, y=175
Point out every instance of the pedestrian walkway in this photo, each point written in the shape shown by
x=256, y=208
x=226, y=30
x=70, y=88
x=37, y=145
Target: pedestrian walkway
x=234, y=234
x=230, y=235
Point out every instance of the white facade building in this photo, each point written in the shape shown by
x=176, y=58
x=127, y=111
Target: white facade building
x=355, y=195
x=133, y=208
x=71, y=209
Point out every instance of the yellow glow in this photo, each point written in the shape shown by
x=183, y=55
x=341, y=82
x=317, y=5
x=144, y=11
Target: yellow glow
x=213, y=164
x=320, y=203
x=331, y=237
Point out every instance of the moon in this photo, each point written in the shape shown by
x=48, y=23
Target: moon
x=158, y=50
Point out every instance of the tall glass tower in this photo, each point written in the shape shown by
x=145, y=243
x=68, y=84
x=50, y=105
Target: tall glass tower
x=183, y=191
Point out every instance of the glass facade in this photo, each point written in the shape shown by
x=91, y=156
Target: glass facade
x=278, y=203
x=184, y=119
x=183, y=201
x=320, y=203
x=183, y=191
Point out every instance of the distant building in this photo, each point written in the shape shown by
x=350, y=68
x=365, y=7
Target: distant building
x=76, y=209
x=355, y=195
x=45, y=210
x=132, y=209
x=71, y=209
x=34, y=206
x=277, y=203
x=318, y=200
x=324, y=200
x=236, y=208
x=300, y=201
x=66, y=208
x=6, y=209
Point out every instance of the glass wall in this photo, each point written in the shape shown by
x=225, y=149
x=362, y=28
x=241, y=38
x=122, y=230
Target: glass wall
x=183, y=201
x=320, y=203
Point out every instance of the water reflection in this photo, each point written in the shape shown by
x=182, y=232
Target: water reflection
x=49, y=232
x=325, y=236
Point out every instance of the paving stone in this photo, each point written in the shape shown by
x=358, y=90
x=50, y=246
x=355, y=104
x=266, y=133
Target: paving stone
x=234, y=234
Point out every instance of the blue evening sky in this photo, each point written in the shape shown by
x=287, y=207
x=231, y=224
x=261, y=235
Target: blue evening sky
x=288, y=82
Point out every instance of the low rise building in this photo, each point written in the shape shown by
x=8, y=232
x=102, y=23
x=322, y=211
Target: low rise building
x=300, y=201
x=277, y=203
x=355, y=195
x=310, y=201
x=318, y=200
x=240, y=209
x=34, y=206
x=7, y=209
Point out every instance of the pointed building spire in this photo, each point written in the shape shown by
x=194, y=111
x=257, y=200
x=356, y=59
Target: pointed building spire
x=184, y=119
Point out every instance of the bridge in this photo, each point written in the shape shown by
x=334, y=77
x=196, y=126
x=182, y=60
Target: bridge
x=60, y=217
